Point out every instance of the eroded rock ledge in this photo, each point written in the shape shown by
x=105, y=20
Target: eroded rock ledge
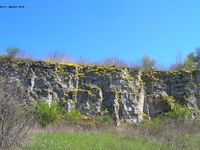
x=128, y=94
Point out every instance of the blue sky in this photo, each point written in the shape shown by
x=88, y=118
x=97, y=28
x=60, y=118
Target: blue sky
x=98, y=29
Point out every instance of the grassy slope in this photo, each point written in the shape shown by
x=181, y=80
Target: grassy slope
x=87, y=141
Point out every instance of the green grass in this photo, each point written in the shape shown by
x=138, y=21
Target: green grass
x=87, y=141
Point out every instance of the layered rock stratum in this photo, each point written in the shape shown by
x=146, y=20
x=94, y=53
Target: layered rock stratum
x=129, y=95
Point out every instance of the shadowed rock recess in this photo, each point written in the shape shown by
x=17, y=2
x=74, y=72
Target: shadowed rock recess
x=129, y=95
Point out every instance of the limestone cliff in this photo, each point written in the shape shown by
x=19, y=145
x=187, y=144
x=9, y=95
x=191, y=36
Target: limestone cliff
x=129, y=95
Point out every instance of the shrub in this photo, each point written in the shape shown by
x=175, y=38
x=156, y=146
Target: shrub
x=13, y=53
x=180, y=113
x=107, y=118
x=73, y=116
x=178, y=116
x=16, y=115
x=46, y=114
x=148, y=63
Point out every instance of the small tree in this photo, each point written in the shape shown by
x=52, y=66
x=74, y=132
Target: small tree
x=148, y=63
x=193, y=60
x=197, y=59
x=16, y=115
x=190, y=62
x=13, y=52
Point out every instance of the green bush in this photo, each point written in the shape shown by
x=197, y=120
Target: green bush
x=180, y=113
x=46, y=114
x=107, y=118
x=73, y=116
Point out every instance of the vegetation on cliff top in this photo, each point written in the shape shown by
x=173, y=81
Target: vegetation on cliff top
x=192, y=61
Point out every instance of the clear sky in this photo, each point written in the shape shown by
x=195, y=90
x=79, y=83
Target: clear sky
x=98, y=29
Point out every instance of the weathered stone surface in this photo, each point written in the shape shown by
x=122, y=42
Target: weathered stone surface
x=127, y=94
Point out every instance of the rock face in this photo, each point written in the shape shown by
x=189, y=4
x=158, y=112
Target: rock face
x=128, y=95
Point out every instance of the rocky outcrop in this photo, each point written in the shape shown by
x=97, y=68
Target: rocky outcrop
x=128, y=95
x=183, y=86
